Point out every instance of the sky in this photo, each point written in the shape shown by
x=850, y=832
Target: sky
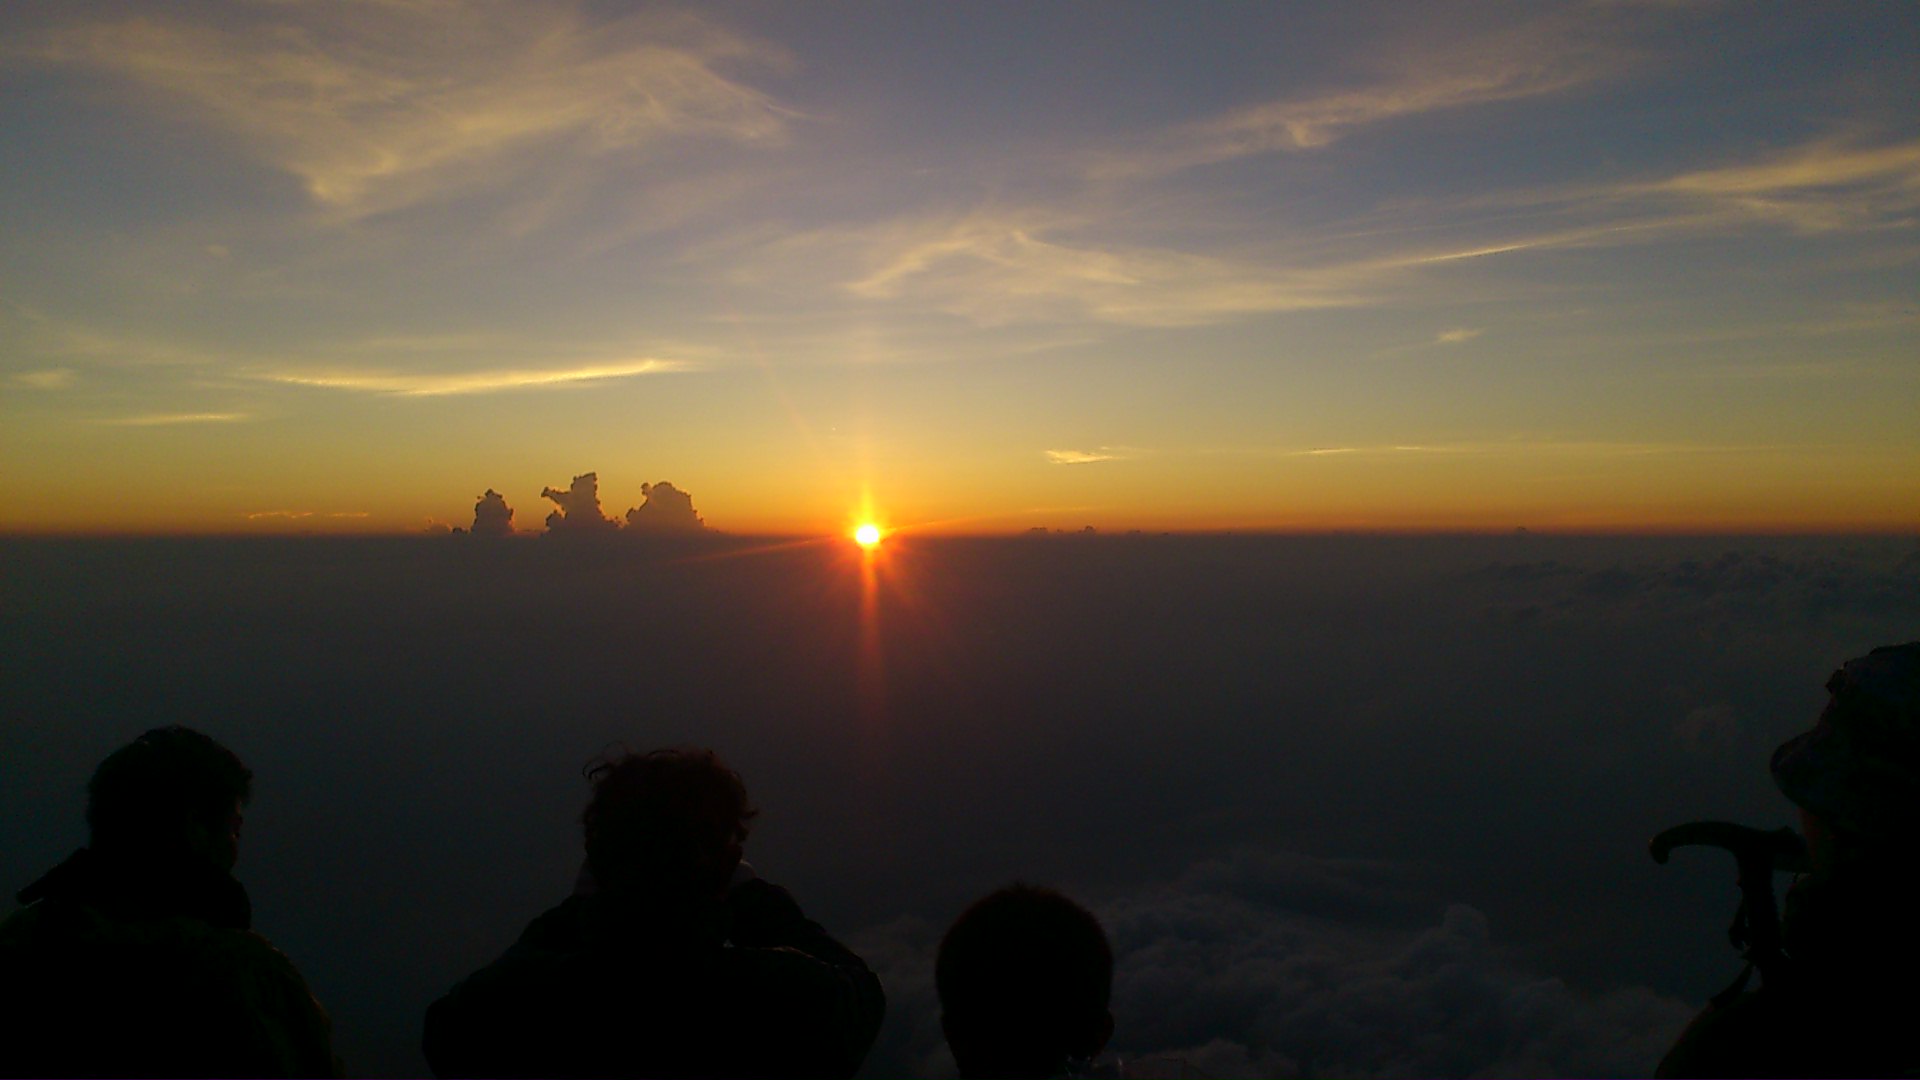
x=286, y=266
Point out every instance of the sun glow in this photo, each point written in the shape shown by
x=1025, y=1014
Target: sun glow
x=867, y=535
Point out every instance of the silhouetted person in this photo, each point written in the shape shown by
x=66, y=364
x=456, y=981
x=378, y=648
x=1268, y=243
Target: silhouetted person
x=671, y=959
x=1845, y=1001
x=1024, y=976
x=134, y=957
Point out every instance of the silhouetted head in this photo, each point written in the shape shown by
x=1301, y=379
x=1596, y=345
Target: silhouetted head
x=666, y=825
x=1024, y=976
x=171, y=792
x=1856, y=775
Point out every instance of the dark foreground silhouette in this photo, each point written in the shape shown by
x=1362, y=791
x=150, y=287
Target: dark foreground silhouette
x=134, y=957
x=1836, y=996
x=670, y=960
x=1025, y=976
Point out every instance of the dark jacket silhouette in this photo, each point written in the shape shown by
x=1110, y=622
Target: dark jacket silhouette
x=1843, y=1000
x=744, y=986
x=122, y=966
x=1848, y=1005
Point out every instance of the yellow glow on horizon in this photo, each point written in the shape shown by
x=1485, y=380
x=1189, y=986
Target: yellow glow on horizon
x=867, y=535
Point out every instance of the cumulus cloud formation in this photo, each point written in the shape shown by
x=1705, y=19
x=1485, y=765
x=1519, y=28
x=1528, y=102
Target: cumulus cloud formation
x=665, y=509
x=493, y=517
x=579, y=509
x=378, y=106
x=1276, y=964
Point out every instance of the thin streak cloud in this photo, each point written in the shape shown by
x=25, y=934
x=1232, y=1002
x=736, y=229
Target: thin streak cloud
x=168, y=419
x=402, y=384
x=1819, y=165
x=1569, y=448
x=50, y=379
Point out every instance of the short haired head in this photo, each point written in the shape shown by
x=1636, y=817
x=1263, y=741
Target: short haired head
x=666, y=824
x=164, y=790
x=1025, y=977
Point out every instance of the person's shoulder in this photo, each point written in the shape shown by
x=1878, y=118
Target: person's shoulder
x=248, y=951
x=18, y=924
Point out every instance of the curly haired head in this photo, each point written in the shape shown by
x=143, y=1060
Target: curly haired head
x=667, y=822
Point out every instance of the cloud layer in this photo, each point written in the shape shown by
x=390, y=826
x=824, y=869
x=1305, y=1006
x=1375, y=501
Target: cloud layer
x=1273, y=964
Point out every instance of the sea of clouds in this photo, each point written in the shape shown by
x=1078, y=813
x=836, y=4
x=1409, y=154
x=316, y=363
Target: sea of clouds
x=1362, y=806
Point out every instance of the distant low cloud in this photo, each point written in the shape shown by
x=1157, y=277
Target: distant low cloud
x=1457, y=335
x=294, y=515
x=1081, y=457
x=492, y=516
x=579, y=509
x=49, y=379
x=1709, y=729
x=375, y=107
x=666, y=509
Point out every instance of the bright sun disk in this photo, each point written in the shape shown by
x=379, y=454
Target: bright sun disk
x=867, y=535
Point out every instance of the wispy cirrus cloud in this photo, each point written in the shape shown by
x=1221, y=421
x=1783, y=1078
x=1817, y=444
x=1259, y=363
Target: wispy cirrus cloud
x=1823, y=164
x=378, y=106
x=1064, y=264
x=1548, y=54
x=1822, y=186
x=1004, y=267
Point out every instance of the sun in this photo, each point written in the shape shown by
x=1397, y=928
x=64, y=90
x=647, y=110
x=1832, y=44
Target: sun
x=867, y=535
